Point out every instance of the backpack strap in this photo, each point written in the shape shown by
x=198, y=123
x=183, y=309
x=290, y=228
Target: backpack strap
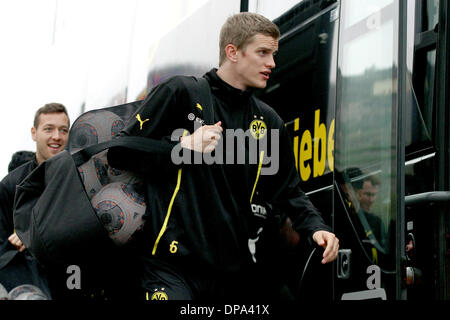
x=203, y=94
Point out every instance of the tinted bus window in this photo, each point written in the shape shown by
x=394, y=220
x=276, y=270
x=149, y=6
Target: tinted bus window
x=429, y=14
x=365, y=152
x=422, y=39
x=362, y=9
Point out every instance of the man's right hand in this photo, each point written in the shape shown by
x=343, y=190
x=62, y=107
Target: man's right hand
x=204, y=139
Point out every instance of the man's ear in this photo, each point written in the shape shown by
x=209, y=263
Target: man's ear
x=231, y=52
x=33, y=133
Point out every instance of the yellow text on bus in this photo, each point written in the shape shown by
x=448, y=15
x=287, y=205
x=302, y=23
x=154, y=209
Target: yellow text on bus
x=313, y=152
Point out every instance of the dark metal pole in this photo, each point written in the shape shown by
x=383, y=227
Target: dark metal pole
x=244, y=5
x=401, y=124
x=443, y=144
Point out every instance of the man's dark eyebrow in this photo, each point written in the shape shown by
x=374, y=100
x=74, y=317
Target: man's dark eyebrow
x=266, y=48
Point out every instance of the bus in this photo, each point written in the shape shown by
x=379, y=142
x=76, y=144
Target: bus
x=362, y=86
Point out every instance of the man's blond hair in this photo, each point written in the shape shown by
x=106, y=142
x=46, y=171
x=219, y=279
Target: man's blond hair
x=239, y=30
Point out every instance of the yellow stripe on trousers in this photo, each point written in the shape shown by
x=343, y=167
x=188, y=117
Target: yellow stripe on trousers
x=169, y=210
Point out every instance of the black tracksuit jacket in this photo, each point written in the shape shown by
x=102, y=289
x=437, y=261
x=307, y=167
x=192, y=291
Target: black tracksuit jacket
x=16, y=268
x=7, y=194
x=201, y=215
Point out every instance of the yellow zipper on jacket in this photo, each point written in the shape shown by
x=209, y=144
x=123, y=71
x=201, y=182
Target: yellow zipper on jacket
x=257, y=175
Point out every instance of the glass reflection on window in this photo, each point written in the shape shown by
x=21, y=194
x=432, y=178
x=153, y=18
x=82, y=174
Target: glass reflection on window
x=372, y=50
x=365, y=143
x=361, y=192
x=430, y=14
x=429, y=88
x=356, y=10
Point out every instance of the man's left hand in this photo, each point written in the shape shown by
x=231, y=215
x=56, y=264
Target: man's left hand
x=329, y=242
x=16, y=242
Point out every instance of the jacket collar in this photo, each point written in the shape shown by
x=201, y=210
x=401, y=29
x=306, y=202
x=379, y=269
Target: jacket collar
x=227, y=92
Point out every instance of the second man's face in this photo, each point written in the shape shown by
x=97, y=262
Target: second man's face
x=256, y=61
x=367, y=195
x=51, y=135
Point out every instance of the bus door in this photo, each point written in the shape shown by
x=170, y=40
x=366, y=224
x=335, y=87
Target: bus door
x=427, y=233
x=366, y=203
x=302, y=89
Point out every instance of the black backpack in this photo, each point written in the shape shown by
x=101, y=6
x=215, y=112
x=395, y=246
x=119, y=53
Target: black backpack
x=54, y=213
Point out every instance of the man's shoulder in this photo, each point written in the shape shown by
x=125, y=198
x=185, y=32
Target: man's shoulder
x=180, y=82
x=189, y=89
x=18, y=174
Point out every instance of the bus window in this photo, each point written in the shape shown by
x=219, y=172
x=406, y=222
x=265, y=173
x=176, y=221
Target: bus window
x=428, y=11
x=362, y=9
x=423, y=40
x=365, y=157
x=421, y=172
x=419, y=116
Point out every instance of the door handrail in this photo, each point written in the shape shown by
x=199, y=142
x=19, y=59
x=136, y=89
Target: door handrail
x=427, y=197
